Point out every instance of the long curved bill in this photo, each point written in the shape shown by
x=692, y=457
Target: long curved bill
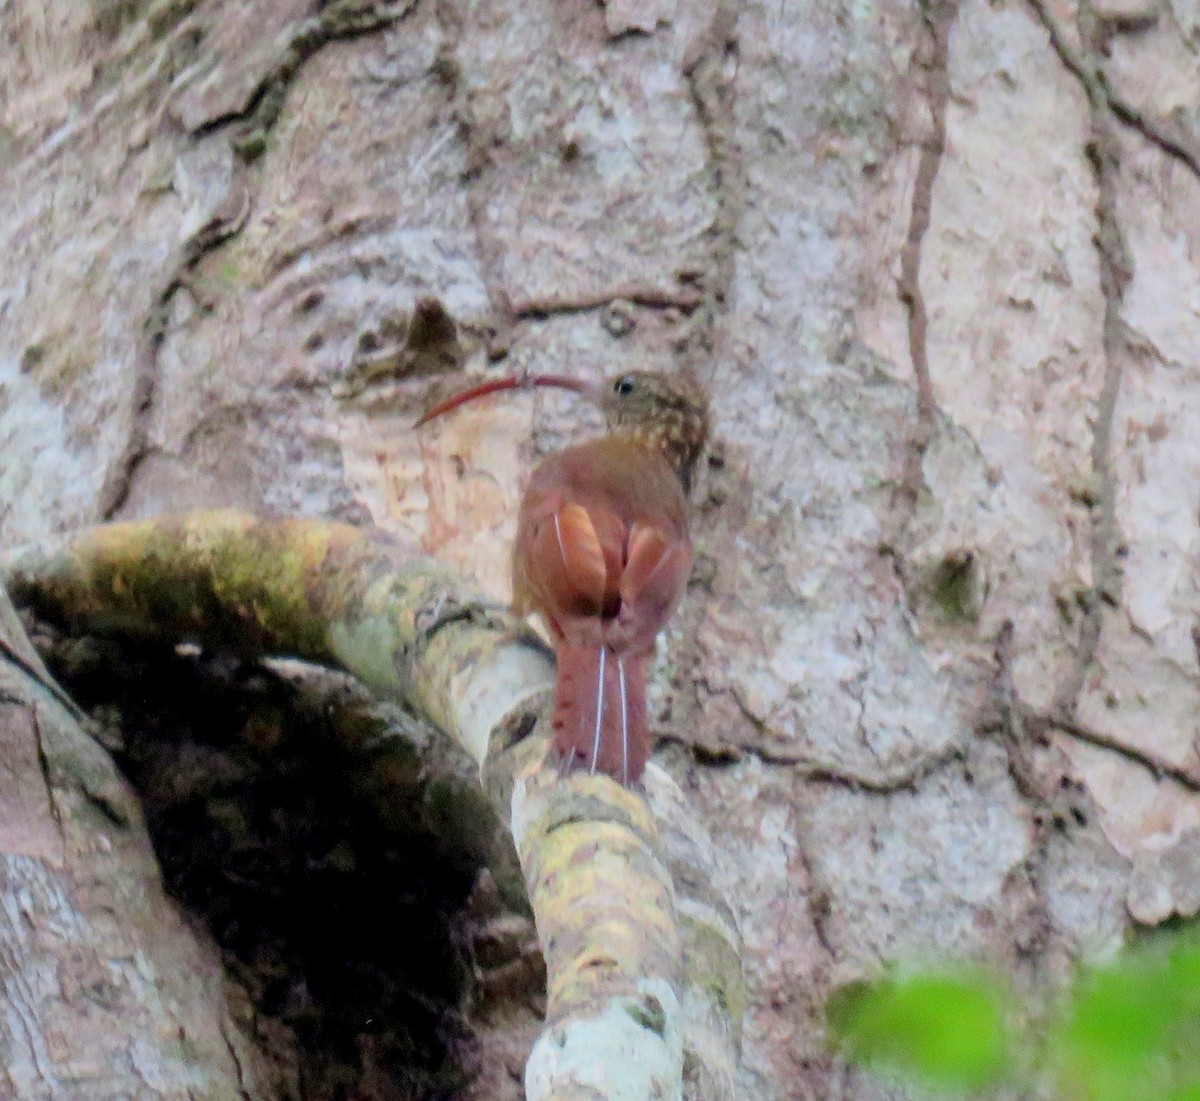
x=496, y=385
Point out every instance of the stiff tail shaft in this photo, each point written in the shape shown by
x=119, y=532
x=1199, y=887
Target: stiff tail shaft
x=600, y=721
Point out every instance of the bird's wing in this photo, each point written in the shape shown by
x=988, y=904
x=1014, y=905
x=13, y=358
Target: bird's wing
x=655, y=575
x=573, y=558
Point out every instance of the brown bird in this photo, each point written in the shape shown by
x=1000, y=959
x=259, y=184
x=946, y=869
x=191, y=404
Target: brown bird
x=602, y=553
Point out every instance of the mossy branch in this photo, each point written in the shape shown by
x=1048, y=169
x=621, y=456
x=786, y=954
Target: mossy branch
x=643, y=960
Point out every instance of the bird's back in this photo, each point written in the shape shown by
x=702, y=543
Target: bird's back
x=622, y=486
x=615, y=473
x=602, y=553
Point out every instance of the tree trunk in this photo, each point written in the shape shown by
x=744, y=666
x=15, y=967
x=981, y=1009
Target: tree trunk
x=109, y=991
x=935, y=682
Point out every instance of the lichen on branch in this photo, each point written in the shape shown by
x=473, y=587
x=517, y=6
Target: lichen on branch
x=615, y=879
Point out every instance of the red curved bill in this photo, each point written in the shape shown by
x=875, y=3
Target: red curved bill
x=496, y=385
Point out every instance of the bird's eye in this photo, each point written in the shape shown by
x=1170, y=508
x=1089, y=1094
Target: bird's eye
x=624, y=385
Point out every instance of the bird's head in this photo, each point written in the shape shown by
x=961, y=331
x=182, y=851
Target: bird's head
x=666, y=410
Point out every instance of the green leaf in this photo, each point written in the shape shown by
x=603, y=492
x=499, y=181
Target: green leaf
x=946, y=1029
x=1133, y=1029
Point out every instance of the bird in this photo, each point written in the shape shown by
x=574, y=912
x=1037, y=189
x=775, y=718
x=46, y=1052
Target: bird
x=603, y=554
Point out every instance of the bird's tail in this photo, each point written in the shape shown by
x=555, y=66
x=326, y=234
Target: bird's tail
x=600, y=719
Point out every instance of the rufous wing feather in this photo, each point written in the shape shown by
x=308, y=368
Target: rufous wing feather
x=566, y=559
x=574, y=556
x=652, y=582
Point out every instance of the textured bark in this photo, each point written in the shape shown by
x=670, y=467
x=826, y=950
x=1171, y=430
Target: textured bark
x=935, y=683
x=621, y=992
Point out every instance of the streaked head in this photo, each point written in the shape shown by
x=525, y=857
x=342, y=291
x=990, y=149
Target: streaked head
x=667, y=410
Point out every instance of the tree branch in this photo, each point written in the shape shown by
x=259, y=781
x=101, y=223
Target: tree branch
x=643, y=961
